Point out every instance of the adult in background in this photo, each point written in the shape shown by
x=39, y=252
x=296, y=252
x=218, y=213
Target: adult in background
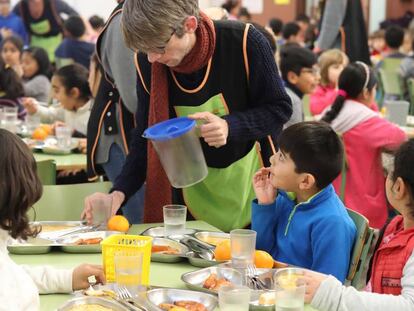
x=43, y=21
x=112, y=115
x=343, y=27
x=221, y=72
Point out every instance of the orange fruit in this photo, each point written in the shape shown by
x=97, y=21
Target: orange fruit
x=47, y=128
x=223, y=251
x=118, y=223
x=39, y=134
x=263, y=259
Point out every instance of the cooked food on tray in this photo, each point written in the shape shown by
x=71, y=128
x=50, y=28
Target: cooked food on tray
x=90, y=241
x=99, y=293
x=267, y=298
x=50, y=228
x=90, y=307
x=164, y=249
x=214, y=283
x=183, y=305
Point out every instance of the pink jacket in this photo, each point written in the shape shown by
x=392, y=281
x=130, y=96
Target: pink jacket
x=324, y=96
x=365, y=180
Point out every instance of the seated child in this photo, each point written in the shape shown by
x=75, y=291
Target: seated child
x=74, y=48
x=11, y=52
x=300, y=77
x=365, y=136
x=20, y=188
x=71, y=89
x=298, y=217
x=331, y=63
x=392, y=276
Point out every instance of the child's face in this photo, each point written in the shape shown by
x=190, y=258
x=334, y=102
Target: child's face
x=378, y=44
x=307, y=80
x=30, y=65
x=282, y=172
x=62, y=95
x=10, y=54
x=334, y=71
x=4, y=7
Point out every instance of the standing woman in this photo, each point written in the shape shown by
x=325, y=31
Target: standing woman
x=43, y=22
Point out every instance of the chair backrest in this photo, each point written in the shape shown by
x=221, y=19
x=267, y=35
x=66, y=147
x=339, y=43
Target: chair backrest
x=46, y=170
x=306, y=108
x=361, y=246
x=391, y=64
x=65, y=202
x=410, y=88
x=391, y=82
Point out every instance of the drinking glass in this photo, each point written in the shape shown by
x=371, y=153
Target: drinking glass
x=233, y=298
x=10, y=119
x=101, y=211
x=174, y=219
x=64, y=137
x=128, y=270
x=243, y=245
x=290, y=290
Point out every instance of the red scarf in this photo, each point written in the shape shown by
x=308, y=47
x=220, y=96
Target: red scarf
x=158, y=188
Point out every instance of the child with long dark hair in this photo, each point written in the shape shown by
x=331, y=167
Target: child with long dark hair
x=20, y=188
x=365, y=135
x=11, y=52
x=391, y=285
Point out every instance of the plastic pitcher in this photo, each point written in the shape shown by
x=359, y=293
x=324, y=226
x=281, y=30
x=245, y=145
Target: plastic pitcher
x=179, y=150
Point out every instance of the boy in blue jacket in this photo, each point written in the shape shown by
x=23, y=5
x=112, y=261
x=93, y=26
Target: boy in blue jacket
x=298, y=217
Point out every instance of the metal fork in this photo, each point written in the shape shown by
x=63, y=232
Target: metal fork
x=125, y=298
x=252, y=274
x=123, y=292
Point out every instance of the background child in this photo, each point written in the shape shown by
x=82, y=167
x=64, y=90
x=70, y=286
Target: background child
x=300, y=77
x=365, y=135
x=292, y=35
x=393, y=265
x=11, y=52
x=298, y=217
x=331, y=63
x=11, y=89
x=71, y=89
x=20, y=188
x=74, y=48
x=36, y=71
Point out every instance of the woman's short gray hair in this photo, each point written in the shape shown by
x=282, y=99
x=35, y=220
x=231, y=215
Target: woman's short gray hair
x=150, y=24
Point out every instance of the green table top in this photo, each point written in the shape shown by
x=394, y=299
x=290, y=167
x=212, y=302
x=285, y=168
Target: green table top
x=161, y=274
x=67, y=161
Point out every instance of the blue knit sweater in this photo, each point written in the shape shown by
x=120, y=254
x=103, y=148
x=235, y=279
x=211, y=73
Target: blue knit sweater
x=317, y=234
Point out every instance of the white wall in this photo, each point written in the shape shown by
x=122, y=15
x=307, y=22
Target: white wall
x=377, y=12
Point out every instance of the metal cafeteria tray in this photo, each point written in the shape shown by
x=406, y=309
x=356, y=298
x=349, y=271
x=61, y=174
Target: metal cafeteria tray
x=31, y=246
x=168, y=258
x=106, y=303
x=195, y=279
x=68, y=245
x=62, y=227
x=196, y=261
x=169, y=295
x=158, y=232
x=212, y=237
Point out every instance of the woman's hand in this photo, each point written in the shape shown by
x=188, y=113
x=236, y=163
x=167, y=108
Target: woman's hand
x=265, y=192
x=215, y=130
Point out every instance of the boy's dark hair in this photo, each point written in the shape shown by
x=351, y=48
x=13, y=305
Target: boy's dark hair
x=394, y=36
x=315, y=149
x=290, y=29
x=96, y=22
x=404, y=168
x=74, y=26
x=245, y=12
x=20, y=186
x=351, y=80
x=75, y=75
x=295, y=58
x=10, y=83
x=276, y=25
x=303, y=18
x=269, y=37
x=16, y=41
x=42, y=59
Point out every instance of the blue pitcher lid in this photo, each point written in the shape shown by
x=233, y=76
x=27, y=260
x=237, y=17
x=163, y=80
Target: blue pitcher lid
x=169, y=129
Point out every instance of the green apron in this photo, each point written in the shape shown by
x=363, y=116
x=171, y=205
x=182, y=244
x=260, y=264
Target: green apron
x=224, y=197
x=49, y=43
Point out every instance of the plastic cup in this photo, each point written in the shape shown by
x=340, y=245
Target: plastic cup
x=233, y=298
x=243, y=245
x=101, y=211
x=128, y=270
x=289, y=290
x=32, y=122
x=10, y=119
x=175, y=217
x=64, y=137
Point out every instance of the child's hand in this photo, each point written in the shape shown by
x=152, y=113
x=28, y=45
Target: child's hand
x=312, y=280
x=30, y=104
x=265, y=192
x=82, y=145
x=55, y=125
x=81, y=273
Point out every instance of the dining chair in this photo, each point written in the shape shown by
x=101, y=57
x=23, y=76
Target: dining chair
x=64, y=202
x=46, y=170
